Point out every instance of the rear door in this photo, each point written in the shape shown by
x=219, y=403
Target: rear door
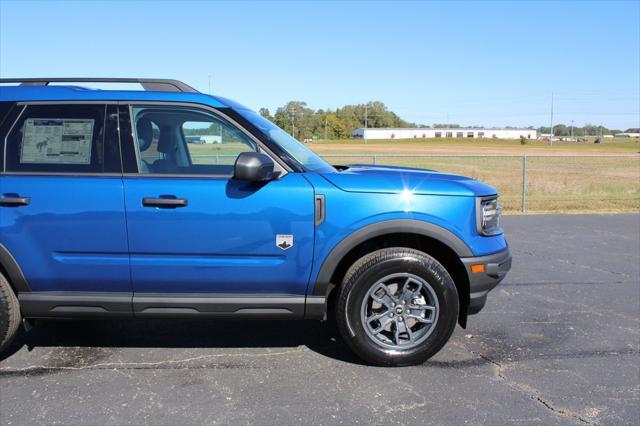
x=62, y=206
x=200, y=241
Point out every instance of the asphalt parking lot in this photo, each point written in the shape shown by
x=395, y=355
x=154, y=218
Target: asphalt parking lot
x=558, y=343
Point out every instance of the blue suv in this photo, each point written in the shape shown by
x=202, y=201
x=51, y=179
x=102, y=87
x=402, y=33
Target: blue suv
x=108, y=210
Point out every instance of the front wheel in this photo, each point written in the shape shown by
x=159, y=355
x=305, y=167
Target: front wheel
x=397, y=307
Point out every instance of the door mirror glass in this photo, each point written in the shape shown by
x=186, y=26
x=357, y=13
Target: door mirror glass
x=254, y=167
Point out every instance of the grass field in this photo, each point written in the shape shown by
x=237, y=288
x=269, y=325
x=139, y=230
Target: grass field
x=554, y=184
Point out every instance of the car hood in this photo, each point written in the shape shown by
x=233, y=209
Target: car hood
x=391, y=180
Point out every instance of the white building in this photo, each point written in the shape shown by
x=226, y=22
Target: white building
x=211, y=138
x=418, y=133
x=208, y=139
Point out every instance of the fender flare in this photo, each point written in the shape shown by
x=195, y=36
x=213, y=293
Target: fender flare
x=399, y=226
x=15, y=275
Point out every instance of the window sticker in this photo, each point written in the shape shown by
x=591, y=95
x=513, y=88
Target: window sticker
x=57, y=141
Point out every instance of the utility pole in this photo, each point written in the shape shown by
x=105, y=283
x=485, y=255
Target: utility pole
x=325, y=126
x=571, y=129
x=364, y=134
x=551, y=127
x=292, y=116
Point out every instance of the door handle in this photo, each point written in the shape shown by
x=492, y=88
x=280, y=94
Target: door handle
x=15, y=201
x=167, y=203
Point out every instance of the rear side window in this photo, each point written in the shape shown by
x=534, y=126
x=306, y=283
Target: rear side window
x=63, y=139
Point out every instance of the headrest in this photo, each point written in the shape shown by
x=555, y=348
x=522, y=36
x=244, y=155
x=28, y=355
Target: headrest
x=166, y=143
x=145, y=133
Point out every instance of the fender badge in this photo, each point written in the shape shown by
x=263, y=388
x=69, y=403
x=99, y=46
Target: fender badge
x=284, y=241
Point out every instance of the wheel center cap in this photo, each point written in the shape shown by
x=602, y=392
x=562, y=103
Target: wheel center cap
x=399, y=310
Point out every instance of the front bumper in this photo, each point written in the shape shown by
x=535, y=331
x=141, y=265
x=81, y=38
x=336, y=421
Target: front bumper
x=484, y=278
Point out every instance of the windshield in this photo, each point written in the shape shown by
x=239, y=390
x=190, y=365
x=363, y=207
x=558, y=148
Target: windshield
x=309, y=160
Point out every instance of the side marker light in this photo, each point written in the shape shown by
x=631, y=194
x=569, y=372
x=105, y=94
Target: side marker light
x=477, y=268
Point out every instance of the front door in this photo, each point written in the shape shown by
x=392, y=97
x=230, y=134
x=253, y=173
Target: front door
x=195, y=231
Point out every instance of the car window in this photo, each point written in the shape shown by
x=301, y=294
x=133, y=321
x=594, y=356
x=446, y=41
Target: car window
x=215, y=142
x=5, y=107
x=150, y=152
x=181, y=140
x=62, y=139
x=307, y=158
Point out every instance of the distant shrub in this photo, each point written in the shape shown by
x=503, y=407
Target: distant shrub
x=523, y=140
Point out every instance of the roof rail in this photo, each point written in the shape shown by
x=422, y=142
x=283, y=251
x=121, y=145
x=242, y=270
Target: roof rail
x=149, y=84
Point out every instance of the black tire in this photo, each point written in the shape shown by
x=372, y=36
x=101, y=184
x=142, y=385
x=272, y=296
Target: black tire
x=373, y=267
x=9, y=313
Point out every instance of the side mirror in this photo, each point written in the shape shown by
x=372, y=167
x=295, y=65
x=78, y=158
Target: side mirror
x=254, y=167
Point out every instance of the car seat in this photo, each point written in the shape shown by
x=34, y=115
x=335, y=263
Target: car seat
x=144, y=130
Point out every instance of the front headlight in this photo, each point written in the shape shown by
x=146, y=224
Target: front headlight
x=488, y=215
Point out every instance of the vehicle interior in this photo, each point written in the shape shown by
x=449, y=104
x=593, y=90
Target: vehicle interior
x=187, y=141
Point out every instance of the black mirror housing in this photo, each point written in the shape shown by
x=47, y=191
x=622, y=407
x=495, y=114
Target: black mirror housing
x=254, y=167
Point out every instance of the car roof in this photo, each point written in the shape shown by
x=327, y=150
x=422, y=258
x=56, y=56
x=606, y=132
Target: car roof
x=78, y=93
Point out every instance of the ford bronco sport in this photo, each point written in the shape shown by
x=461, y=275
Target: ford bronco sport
x=109, y=210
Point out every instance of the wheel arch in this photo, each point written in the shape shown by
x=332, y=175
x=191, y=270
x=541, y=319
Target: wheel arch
x=443, y=245
x=11, y=270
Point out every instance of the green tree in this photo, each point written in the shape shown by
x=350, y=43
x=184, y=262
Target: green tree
x=296, y=119
x=265, y=113
x=336, y=127
x=561, y=130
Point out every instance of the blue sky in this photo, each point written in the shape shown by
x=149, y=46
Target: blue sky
x=473, y=63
